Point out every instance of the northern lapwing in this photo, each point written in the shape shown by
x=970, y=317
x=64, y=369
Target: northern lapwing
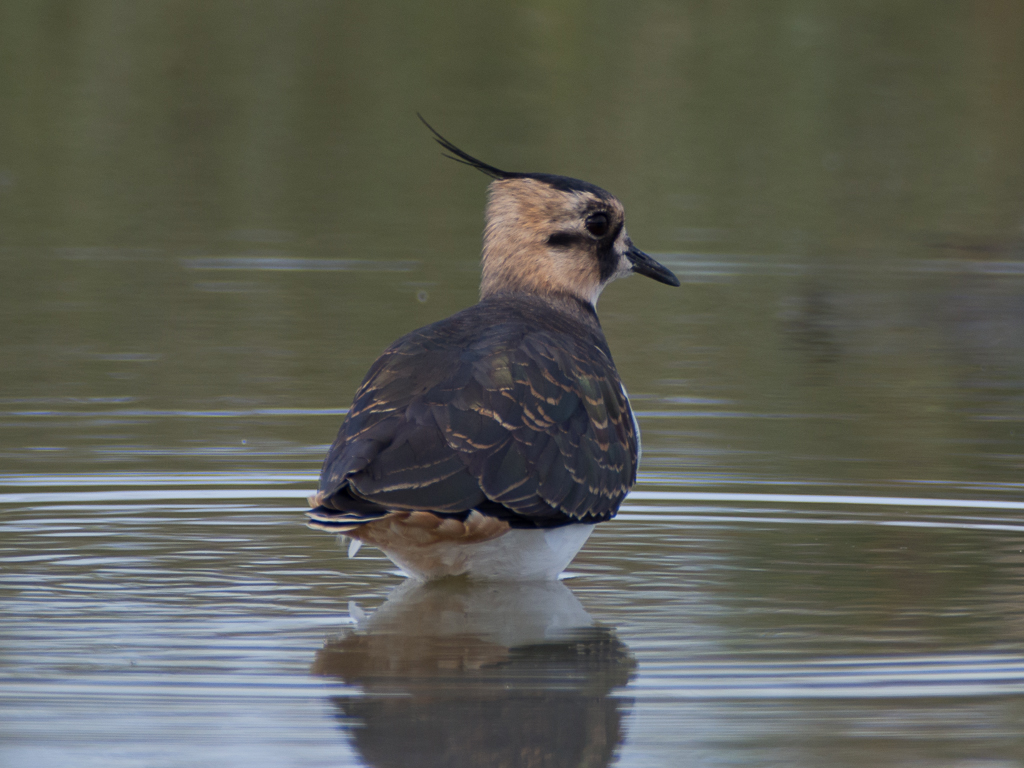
x=491, y=443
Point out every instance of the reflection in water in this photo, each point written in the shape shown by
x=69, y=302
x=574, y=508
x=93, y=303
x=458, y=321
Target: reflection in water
x=456, y=673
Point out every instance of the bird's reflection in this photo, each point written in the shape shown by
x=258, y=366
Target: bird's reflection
x=456, y=673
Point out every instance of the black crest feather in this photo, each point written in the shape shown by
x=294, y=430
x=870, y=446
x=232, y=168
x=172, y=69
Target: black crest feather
x=466, y=159
x=563, y=183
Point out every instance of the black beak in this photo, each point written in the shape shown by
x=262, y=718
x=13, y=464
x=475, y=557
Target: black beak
x=645, y=265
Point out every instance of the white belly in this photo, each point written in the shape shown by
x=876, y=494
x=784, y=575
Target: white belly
x=518, y=554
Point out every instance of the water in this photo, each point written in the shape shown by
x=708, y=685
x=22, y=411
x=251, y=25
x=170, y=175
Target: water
x=186, y=618
x=212, y=221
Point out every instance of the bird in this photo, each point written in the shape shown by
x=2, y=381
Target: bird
x=489, y=444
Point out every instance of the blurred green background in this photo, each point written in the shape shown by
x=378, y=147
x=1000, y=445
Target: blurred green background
x=208, y=205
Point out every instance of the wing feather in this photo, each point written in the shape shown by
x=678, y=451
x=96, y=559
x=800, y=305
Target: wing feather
x=528, y=421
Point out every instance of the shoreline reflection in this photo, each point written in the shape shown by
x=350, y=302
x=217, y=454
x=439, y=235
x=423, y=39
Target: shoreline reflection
x=458, y=673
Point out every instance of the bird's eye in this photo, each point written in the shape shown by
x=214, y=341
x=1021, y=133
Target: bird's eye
x=597, y=224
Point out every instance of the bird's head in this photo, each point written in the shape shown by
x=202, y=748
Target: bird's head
x=549, y=234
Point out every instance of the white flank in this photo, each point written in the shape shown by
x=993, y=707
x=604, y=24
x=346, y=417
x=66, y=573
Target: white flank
x=518, y=555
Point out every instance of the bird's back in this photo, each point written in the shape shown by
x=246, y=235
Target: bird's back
x=512, y=407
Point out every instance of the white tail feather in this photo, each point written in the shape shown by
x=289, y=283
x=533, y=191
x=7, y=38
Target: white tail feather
x=353, y=547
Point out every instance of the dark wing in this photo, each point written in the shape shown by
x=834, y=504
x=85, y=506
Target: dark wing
x=534, y=428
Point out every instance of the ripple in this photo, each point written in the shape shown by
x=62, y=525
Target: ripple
x=867, y=677
x=187, y=598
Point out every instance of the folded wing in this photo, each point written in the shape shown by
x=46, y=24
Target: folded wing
x=530, y=426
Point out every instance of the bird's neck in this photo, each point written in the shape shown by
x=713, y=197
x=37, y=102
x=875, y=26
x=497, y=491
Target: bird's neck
x=516, y=265
x=566, y=304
